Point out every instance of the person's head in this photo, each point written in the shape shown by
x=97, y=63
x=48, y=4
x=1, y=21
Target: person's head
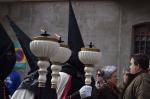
x=99, y=79
x=99, y=74
x=138, y=63
x=110, y=74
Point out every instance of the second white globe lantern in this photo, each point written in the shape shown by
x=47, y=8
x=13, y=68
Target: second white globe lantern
x=60, y=57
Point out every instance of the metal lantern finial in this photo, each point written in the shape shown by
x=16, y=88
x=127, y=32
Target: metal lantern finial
x=91, y=45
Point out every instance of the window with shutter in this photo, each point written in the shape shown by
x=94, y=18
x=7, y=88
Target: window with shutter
x=141, y=38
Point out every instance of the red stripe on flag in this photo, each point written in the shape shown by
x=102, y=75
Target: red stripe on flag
x=67, y=88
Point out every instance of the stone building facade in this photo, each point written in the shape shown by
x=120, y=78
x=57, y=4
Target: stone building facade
x=107, y=23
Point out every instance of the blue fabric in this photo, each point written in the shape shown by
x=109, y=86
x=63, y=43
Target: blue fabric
x=13, y=81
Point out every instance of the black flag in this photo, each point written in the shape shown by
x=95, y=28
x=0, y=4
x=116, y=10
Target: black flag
x=7, y=60
x=24, y=41
x=7, y=54
x=75, y=41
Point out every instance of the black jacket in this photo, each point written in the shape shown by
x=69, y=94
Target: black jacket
x=107, y=92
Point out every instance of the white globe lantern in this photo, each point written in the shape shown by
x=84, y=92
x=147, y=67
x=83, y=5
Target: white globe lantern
x=89, y=57
x=43, y=47
x=60, y=57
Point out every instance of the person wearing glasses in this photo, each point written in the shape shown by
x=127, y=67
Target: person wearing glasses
x=109, y=89
x=99, y=79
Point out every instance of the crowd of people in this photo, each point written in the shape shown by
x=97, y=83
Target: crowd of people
x=136, y=83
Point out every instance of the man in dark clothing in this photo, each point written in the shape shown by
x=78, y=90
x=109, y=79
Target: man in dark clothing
x=139, y=87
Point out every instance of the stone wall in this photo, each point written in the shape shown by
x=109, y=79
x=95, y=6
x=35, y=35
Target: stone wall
x=108, y=24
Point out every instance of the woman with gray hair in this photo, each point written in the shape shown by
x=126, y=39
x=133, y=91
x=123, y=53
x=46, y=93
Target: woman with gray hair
x=110, y=74
x=109, y=90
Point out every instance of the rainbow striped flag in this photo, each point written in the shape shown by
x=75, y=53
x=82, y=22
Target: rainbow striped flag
x=20, y=56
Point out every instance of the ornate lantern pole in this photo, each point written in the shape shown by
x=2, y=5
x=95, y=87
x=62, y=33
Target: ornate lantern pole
x=60, y=57
x=43, y=47
x=89, y=57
